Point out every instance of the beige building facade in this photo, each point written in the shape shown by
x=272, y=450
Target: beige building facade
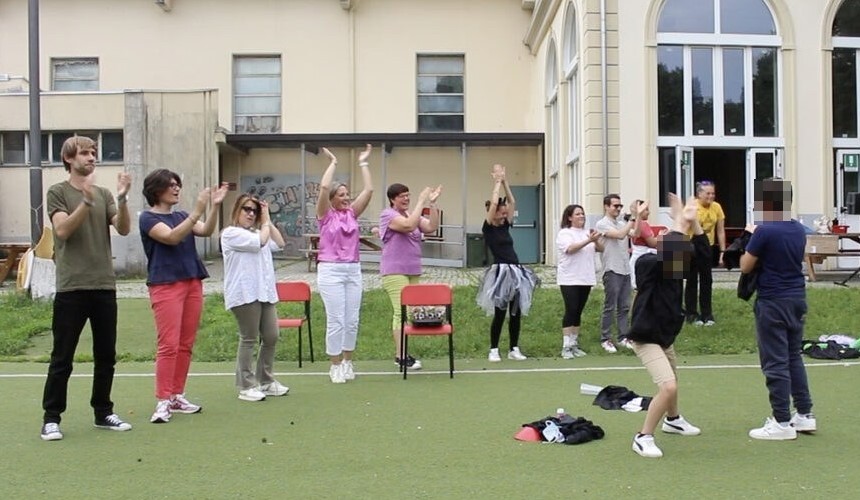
x=578, y=98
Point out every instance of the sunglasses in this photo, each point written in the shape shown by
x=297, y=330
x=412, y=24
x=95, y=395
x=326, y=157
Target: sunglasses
x=618, y=205
x=250, y=210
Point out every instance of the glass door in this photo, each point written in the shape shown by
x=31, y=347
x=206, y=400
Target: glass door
x=762, y=163
x=684, y=170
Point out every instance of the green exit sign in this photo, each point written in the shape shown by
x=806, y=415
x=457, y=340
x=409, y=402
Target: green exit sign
x=851, y=162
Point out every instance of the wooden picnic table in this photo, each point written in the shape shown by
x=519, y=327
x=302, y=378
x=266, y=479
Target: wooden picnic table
x=14, y=252
x=366, y=243
x=817, y=253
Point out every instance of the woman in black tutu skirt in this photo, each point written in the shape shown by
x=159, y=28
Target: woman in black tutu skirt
x=507, y=286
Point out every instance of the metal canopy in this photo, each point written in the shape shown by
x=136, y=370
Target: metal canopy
x=245, y=142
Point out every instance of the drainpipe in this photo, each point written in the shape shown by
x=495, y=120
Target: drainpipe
x=603, y=97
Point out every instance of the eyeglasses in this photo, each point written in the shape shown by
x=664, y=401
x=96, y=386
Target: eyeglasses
x=250, y=210
x=174, y=184
x=617, y=205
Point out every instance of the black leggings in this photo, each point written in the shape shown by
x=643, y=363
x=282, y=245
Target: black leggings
x=575, y=297
x=513, y=324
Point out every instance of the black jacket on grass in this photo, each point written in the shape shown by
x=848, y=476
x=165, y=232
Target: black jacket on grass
x=657, y=315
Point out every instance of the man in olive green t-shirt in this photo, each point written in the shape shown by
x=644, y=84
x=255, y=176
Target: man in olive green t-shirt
x=81, y=214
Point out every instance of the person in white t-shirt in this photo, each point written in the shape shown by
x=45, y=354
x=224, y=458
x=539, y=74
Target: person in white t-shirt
x=576, y=274
x=250, y=294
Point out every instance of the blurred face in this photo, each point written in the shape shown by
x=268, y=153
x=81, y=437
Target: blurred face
x=614, y=208
x=501, y=213
x=340, y=200
x=707, y=194
x=675, y=252
x=248, y=214
x=577, y=218
x=401, y=202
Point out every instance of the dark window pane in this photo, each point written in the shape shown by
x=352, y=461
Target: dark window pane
x=667, y=174
x=847, y=21
x=703, y=91
x=733, y=91
x=46, y=149
x=57, y=140
x=440, y=123
x=670, y=90
x=763, y=165
x=844, y=93
x=687, y=16
x=111, y=146
x=764, y=92
x=747, y=17
x=440, y=104
x=13, y=148
x=440, y=84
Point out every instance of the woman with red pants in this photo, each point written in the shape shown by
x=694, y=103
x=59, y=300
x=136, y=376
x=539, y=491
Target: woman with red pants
x=174, y=278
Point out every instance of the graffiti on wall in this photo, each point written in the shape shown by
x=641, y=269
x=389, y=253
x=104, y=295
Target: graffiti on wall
x=283, y=193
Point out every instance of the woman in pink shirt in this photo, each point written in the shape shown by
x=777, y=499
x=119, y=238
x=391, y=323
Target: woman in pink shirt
x=338, y=269
x=401, y=233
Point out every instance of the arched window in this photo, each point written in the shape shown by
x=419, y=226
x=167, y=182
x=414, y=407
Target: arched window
x=846, y=44
x=553, y=144
x=718, y=69
x=570, y=55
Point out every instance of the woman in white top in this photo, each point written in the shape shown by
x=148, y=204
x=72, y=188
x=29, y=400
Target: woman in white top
x=250, y=294
x=576, y=273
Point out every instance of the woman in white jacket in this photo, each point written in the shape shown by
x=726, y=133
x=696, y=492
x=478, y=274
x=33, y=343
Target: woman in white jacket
x=250, y=294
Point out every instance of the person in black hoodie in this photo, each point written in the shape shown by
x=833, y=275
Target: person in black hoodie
x=657, y=317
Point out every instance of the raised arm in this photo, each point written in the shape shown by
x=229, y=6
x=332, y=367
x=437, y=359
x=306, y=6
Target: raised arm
x=217, y=197
x=359, y=204
x=494, y=198
x=325, y=184
x=267, y=228
x=432, y=223
x=509, y=196
x=163, y=233
x=122, y=220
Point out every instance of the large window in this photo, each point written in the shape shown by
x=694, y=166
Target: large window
x=553, y=145
x=15, y=146
x=718, y=69
x=256, y=94
x=846, y=44
x=440, y=93
x=570, y=54
x=75, y=74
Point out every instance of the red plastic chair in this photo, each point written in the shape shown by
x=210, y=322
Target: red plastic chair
x=426, y=294
x=297, y=291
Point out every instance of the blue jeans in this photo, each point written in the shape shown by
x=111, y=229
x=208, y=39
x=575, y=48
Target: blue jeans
x=617, y=290
x=779, y=332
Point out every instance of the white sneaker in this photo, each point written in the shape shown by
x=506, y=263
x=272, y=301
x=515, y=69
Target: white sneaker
x=773, y=431
x=516, y=355
x=803, y=422
x=626, y=343
x=644, y=445
x=577, y=352
x=567, y=352
x=51, y=432
x=162, y=412
x=274, y=388
x=494, y=357
x=335, y=373
x=710, y=322
x=252, y=394
x=680, y=426
x=179, y=404
x=608, y=346
x=347, y=370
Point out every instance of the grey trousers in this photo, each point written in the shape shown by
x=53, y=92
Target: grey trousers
x=258, y=324
x=618, y=291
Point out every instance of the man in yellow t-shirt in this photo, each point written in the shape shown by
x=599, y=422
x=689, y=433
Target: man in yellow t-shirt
x=700, y=280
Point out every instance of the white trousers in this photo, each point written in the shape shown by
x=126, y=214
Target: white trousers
x=339, y=284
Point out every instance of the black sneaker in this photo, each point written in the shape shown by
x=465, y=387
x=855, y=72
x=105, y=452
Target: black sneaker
x=410, y=362
x=691, y=318
x=112, y=422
